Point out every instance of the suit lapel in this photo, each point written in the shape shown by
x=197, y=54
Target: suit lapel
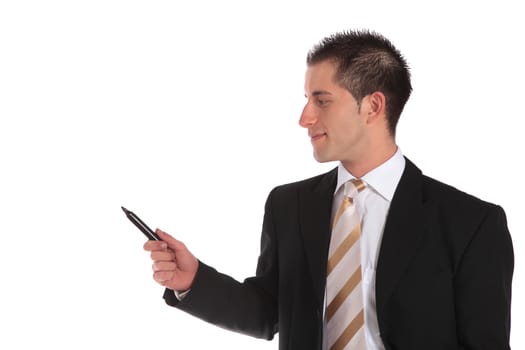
x=404, y=231
x=405, y=228
x=315, y=203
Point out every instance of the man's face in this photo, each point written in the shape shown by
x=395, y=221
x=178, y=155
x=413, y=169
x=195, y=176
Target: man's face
x=335, y=124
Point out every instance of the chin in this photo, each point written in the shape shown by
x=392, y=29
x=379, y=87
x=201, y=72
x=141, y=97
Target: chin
x=322, y=158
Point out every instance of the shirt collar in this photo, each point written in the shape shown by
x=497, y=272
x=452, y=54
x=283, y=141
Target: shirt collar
x=383, y=179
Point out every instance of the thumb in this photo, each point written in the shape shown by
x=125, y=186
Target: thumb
x=170, y=240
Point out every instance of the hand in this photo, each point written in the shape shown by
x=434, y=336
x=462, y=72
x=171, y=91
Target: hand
x=173, y=265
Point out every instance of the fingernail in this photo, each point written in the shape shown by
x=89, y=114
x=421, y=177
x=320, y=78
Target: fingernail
x=163, y=245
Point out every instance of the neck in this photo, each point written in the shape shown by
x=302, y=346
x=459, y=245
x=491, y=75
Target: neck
x=370, y=160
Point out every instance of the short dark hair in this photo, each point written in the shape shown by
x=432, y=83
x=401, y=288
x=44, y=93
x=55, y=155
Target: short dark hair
x=367, y=62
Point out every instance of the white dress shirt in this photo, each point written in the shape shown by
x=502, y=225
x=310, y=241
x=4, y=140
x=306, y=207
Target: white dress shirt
x=372, y=204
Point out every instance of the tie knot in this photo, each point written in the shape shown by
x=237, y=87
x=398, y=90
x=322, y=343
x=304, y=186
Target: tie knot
x=353, y=187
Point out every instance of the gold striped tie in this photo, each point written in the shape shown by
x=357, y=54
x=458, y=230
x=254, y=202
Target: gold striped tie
x=344, y=296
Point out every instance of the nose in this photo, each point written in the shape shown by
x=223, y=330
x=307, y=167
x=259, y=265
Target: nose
x=308, y=116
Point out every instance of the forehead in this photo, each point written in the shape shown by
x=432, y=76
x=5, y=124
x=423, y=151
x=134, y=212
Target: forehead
x=320, y=76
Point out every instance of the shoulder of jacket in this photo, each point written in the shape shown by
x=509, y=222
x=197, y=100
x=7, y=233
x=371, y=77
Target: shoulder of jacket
x=310, y=182
x=436, y=190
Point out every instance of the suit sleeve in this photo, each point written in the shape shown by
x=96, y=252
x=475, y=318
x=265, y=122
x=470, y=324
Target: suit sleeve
x=483, y=286
x=249, y=307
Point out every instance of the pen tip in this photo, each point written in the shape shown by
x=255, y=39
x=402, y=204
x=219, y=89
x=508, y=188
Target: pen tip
x=125, y=210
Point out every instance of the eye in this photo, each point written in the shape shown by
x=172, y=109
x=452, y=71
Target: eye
x=323, y=102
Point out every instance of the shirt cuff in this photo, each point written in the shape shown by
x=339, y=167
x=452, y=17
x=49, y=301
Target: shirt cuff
x=181, y=295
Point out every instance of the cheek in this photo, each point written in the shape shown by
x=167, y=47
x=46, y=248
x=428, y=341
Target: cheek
x=348, y=127
x=350, y=135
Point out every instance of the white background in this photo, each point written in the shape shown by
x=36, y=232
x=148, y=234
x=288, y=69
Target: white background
x=186, y=113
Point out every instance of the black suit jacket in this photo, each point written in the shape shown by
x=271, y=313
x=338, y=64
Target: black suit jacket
x=443, y=277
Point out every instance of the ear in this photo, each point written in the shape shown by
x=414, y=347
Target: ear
x=375, y=107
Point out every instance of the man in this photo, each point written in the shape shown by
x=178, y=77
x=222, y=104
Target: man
x=434, y=264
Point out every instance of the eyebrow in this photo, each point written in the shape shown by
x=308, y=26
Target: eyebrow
x=319, y=93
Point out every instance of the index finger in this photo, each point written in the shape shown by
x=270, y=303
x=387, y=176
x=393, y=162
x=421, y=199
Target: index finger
x=155, y=245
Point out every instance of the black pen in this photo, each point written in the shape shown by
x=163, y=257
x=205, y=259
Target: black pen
x=152, y=236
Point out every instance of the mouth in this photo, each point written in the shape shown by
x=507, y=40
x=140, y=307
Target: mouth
x=317, y=136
